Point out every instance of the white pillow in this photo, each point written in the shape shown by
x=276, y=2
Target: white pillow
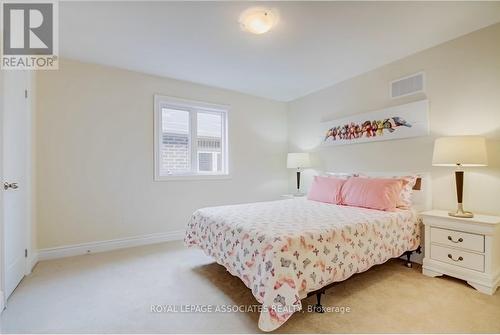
x=341, y=175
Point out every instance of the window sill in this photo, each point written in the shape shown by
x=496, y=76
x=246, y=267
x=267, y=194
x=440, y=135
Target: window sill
x=193, y=177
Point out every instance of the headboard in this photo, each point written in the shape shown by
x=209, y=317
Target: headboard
x=422, y=198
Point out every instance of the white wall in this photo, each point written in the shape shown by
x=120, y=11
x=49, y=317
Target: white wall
x=463, y=86
x=94, y=141
x=94, y=150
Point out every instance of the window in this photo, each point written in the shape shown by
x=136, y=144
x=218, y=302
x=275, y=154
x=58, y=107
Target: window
x=190, y=139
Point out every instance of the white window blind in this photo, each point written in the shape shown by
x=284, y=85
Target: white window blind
x=190, y=139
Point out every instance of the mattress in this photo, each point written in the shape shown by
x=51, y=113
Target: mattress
x=284, y=249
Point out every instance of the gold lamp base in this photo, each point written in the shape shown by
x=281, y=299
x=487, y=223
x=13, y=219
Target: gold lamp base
x=460, y=213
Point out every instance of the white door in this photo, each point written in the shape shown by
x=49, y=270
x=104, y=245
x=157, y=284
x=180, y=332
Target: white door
x=15, y=160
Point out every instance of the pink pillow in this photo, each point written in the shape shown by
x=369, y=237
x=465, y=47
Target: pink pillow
x=405, y=198
x=326, y=189
x=376, y=193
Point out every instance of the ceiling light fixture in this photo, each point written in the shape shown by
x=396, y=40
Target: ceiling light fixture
x=258, y=20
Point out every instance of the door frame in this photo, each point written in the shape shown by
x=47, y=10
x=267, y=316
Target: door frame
x=32, y=258
x=2, y=263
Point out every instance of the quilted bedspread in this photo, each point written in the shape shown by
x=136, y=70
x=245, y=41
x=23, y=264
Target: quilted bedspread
x=284, y=249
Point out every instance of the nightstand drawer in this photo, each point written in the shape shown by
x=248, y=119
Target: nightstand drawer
x=458, y=239
x=456, y=257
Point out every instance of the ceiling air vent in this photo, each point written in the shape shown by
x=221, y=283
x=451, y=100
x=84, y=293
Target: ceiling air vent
x=408, y=85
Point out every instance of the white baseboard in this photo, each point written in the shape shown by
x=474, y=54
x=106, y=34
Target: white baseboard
x=94, y=247
x=32, y=260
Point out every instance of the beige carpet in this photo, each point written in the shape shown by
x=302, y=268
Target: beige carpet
x=114, y=291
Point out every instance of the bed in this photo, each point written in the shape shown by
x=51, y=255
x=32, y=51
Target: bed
x=284, y=250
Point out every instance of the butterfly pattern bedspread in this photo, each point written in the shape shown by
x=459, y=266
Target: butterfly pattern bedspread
x=284, y=249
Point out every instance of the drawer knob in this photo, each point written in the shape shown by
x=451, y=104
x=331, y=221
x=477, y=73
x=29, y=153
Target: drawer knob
x=457, y=241
x=459, y=259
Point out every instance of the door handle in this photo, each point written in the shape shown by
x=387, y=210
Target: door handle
x=13, y=186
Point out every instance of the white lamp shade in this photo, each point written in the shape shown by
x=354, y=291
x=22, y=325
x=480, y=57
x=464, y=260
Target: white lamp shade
x=298, y=160
x=460, y=150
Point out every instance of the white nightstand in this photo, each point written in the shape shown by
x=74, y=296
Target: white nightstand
x=468, y=249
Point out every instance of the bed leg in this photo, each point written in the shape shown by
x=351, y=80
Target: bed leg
x=318, y=308
x=408, y=255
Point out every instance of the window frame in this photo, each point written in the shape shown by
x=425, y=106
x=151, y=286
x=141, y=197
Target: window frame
x=191, y=106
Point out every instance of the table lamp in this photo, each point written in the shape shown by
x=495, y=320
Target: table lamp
x=298, y=160
x=460, y=151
